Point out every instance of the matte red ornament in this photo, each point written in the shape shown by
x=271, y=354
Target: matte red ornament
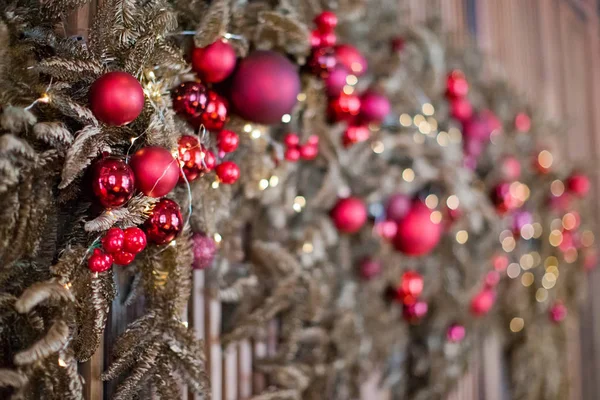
x=461, y=109
x=336, y=80
x=417, y=233
x=578, y=184
x=511, y=168
x=374, y=107
x=309, y=151
x=397, y=206
x=113, y=240
x=165, y=222
x=291, y=140
x=292, y=154
x=227, y=141
x=195, y=160
x=156, y=171
x=349, y=214
x=355, y=134
x=456, y=84
x=215, y=114
x=116, y=98
x=345, y=107
x=351, y=58
x=135, y=240
x=482, y=302
x=189, y=100
x=326, y=21
x=522, y=122
x=228, y=172
x=369, y=268
x=558, y=312
x=265, y=86
x=415, y=312
x=204, y=250
x=99, y=261
x=322, y=61
x=410, y=288
x=123, y=258
x=112, y=182
x=215, y=62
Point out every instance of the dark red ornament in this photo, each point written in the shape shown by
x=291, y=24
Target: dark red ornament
x=351, y=58
x=135, y=240
x=292, y=154
x=578, y=184
x=326, y=21
x=195, y=160
x=215, y=114
x=355, y=134
x=410, y=288
x=228, y=172
x=336, y=80
x=322, y=61
x=215, y=62
x=374, y=107
x=345, y=107
x=116, y=98
x=309, y=151
x=417, y=233
x=165, y=223
x=415, y=312
x=265, y=86
x=123, y=258
x=99, y=261
x=112, y=182
x=456, y=84
x=349, y=214
x=113, y=240
x=397, y=206
x=156, y=171
x=227, y=141
x=369, y=268
x=189, y=100
x=483, y=302
x=204, y=250
x=461, y=109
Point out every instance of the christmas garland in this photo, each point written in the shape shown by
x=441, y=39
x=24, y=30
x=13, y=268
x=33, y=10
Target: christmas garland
x=388, y=206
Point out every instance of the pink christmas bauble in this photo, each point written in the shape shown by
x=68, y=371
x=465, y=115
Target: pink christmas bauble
x=265, y=86
x=417, y=233
x=349, y=214
x=215, y=62
x=336, y=80
x=558, y=312
x=156, y=171
x=456, y=333
x=204, y=250
x=351, y=58
x=374, y=107
x=116, y=98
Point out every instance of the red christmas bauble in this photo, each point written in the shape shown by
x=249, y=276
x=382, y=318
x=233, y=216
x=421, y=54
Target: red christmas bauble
x=351, y=58
x=265, y=86
x=397, y=206
x=345, y=107
x=336, y=80
x=123, y=258
x=322, y=61
x=134, y=240
x=309, y=151
x=156, y=171
x=510, y=168
x=292, y=154
x=215, y=62
x=415, y=312
x=578, y=184
x=195, y=160
x=374, y=107
x=116, y=98
x=355, y=134
x=165, y=223
x=291, y=140
x=483, y=302
x=457, y=85
x=558, y=312
x=326, y=21
x=214, y=115
x=112, y=182
x=204, y=250
x=410, y=288
x=228, y=172
x=227, y=141
x=189, y=100
x=349, y=214
x=99, y=261
x=461, y=109
x=369, y=268
x=113, y=240
x=417, y=233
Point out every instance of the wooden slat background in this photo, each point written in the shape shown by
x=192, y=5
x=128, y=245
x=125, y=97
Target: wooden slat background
x=550, y=51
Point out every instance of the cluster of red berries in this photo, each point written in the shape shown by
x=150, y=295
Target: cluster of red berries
x=196, y=159
x=119, y=247
x=295, y=151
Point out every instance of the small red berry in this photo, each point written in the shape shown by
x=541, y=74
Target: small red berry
x=112, y=242
x=135, y=240
x=123, y=258
x=328, y=39
x=99, y=261
x=292, y=154
x=227, y=141
x=315, y=38
x=326, y=21
x=228, y=172
x=291, y=140
x=309, y=151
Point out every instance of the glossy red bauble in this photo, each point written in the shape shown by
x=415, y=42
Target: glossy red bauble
x=456, y=84
x=165, y=223
x=349, y=214
x=112, y=182
x=322, y=61
x=345, y=107
x=355, y=134
x=135, y=240
x=156, y=171
x=326, y=21
x=461, y=109
x=351, y=58
x=215, y=62
x=215, y=114
x=374, y=107
x=578, y=184
x=189, y=100
x=228, y=172
x=397, y=206
x=417, y=234
x=99, y=261
x=116, y=98
x=410, y=288
x=195, y=160
x=336, y=80
x=309, y=151
x=369, y=268
x=265, y=86
x=482, y=302
x=123, y=258
x=227, y=141
x=113, y=240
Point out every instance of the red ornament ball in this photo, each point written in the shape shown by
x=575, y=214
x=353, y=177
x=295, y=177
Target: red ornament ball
x=116, y=98
x=227, y=141
x=228, y=172
x=415, y=312
x=326, y=21
x=291, y=140
x=336, y=80
x=156, y=171
x=461, y=109
x=374, y=107
x=204, y=250
x=99, y=261
x=349, y=214
x=456, y=84
x=345, y=107
x=369, y=268
x=397, y=206
x=309, y=151
x=411, y=287
x=351, y=58
x=355, y=134
x=112, y=182
x=265, y=86
x=215, y=62
x=135, y=240
x=214, y=115
x=113, y=240
x=578, y=184
x=165, y=223
x=558, y=312
x=483, y=302
x=123, y=258
x=189, y=100
x=417, y=233
x=292, y=154
x=322, y=61
x=195, y=160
